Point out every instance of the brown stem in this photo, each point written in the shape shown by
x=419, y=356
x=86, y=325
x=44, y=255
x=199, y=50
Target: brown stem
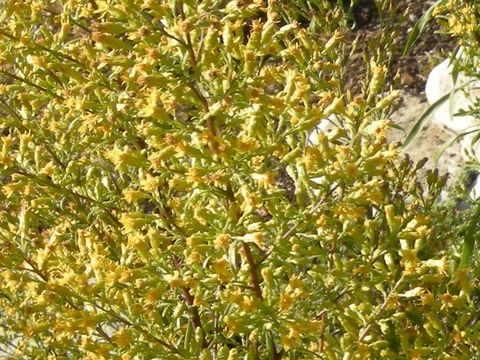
x=321, y=340
x=94, y=4
x=173, y=37
x=55, y=157
x=248, y=253
x=253, y=270
x=190, y=299
x=193, y=57
x=210, y=120
x=197, y=323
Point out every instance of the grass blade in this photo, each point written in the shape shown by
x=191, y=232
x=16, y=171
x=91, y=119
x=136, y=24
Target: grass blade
x=451, y=141
x=469, y=239
x=414, y=132
x=419, y=27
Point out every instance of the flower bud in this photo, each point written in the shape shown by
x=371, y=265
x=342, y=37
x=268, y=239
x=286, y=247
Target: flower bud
x=377, y=80
x=227, y=36
x=392, y=220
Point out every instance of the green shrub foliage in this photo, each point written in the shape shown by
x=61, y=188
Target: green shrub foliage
x=161, y=197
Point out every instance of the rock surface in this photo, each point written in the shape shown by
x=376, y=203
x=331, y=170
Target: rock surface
x=431, y=138
x=440, y=83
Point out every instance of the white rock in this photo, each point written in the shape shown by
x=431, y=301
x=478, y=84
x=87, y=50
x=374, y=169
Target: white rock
x=440, y=83
x=475, y=189
x=324, y=126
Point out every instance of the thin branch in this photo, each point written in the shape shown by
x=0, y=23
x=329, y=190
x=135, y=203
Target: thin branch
x=55, y=157
x=41, y=47
x=167, y=34
x=253, y=270
x=193, y=57
x=28, y=82
x=94, y=4
x=373, y=319
x=14, y=114
x=190, y=299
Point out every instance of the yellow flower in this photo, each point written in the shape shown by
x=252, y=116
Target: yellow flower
x=266, y=180
x=378, y=77
x=154, y=106
x=125, y=158
x=447, y=300
x=88, y=321
x=49, y=168
x=247, y=303
x=286, y=301
x=140, y=243
x=233, y=296
x=427, y=298
x=290, y=340
x=222, y=241
x=234, y=323
x=12, y=188
x=246, y=144
x=152, y=296
x=133, y=221
x=194, y=257
x=122, y=338
x=132, y=196
x=157, y=158
x=174, y=280
x=409, y=260
x=194, y=176
x=295, y=283
x=257, y=238
x=150, y=183
x=222, y=269
x=347, y=211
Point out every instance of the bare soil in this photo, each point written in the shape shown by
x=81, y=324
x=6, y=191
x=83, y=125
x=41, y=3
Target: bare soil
x=406, y=72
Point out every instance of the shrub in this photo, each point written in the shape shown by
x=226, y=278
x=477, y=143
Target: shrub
x=161, y=199
x=461, y=21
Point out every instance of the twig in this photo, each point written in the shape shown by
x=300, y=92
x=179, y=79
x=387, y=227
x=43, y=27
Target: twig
x=365, y=331
x=28, y=82
x=253, y=270
x=55, y=157
x=193, y=57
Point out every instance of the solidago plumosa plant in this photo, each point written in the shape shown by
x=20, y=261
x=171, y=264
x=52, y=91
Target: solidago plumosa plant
x=161, y=198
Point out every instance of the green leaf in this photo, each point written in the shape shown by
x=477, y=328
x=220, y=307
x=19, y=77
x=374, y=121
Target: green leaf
x=475, y=139
x=469, y=238
x=451, y=141
x=414, y=132
x=419, y=27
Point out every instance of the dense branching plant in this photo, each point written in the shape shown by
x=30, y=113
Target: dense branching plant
x=163, y=197
x=462, y=22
